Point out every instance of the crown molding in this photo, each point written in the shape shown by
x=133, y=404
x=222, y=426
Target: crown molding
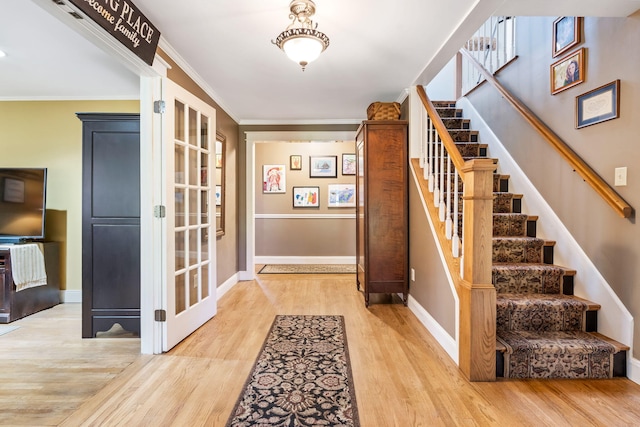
x=184, y=65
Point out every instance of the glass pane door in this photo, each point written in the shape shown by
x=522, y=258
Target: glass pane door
x=191, y=272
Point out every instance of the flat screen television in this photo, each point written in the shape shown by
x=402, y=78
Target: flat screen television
x=22, y=204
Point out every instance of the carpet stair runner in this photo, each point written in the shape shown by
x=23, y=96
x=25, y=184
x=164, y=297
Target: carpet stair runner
x=543, y=330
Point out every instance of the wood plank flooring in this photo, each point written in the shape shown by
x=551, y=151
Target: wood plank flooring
x=50, y=376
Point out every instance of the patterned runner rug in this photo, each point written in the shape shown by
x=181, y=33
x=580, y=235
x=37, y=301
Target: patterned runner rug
x=308, y=269
x=302, y=377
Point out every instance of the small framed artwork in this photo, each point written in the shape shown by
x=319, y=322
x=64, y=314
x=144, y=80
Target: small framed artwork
x=218, y=161
x=295, y=162
x=598, y=105
x=273, y=179
x=306, y=197
x=342, y=195
x=567, y=31
x=348, y=164
x=568, y=72
x=218, y=195
x=323, y=167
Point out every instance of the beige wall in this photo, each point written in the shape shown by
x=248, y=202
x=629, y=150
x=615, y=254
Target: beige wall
x=431, y=289
x=302, y=237
x=612, y=243
x=48, y=134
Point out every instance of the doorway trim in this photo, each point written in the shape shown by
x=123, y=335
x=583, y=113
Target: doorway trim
x=251, y=139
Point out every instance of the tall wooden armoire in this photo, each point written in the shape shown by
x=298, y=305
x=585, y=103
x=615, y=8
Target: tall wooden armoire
x=382, y=208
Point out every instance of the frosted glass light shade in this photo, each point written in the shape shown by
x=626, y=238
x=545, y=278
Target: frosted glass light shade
x=303, y=50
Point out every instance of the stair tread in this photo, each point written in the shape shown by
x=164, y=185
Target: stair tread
x=618, y=345
x=507, y=193
x=526, y=238
x=555, y=338
x=528, y=265
x=546, y=298
x=501, y=347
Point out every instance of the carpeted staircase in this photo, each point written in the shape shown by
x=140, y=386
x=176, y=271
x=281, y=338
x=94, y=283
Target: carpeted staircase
x=543, y=330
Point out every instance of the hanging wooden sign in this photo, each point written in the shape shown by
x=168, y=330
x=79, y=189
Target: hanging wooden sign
x=124, y=21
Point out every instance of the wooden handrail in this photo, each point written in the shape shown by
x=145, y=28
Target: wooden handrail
x=445, y=137
x=603, y=189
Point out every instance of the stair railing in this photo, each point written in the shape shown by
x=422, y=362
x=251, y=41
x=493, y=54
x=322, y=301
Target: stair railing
x=604, y=190
x=469, y=254
x=493, y=45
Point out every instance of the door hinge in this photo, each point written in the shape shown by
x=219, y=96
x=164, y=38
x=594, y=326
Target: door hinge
x=161, y=315
x=159, y=107
x=159, y=211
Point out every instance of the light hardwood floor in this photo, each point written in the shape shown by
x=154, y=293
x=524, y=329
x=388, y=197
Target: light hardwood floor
x=50, y=376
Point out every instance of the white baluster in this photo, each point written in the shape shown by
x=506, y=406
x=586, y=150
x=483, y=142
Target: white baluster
x=423, y=124
x=441, y=182
x=455, y=243
x=448, y=223
x=436, y=164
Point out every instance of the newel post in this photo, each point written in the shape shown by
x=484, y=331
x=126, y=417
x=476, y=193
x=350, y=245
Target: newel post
x=477, y=345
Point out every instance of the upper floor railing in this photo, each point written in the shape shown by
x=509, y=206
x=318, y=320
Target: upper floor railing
x=493, y=46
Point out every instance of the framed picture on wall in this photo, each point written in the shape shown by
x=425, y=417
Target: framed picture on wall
x=342, y=195
x=323, y=166
x=306, y=197
x=598, y=105
x=568, y=72
x=273, y=179
x=567, y=32
x=295, y=162
x=348, y=164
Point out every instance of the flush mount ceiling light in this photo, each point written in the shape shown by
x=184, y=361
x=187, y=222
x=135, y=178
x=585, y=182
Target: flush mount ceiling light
x=2, y=54
x=301, y=41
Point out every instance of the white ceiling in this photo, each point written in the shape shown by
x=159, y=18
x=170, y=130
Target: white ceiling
x=378, y=49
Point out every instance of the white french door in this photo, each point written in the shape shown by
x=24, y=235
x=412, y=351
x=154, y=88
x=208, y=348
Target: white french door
x=189, y=139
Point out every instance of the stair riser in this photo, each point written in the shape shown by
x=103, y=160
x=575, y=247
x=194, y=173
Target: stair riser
x=449, y=112
x=461, y=135
x=517, y=251
x=539, y=319
x=456, y=123
x=619, y=364
x=527, y=282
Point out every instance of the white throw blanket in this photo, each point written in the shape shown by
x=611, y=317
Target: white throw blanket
x=27, y=266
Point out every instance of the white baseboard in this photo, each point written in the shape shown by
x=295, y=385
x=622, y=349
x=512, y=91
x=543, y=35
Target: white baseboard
x=633, y=368
x=305, y=260
x=70, y=296
x=444, y=339
x=226, y=286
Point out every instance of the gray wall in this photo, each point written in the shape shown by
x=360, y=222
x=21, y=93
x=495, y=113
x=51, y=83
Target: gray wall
x=612, y=243
x=302, y=237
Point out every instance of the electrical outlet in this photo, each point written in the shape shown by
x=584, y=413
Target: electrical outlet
x=413, y=275
x=621, y=177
